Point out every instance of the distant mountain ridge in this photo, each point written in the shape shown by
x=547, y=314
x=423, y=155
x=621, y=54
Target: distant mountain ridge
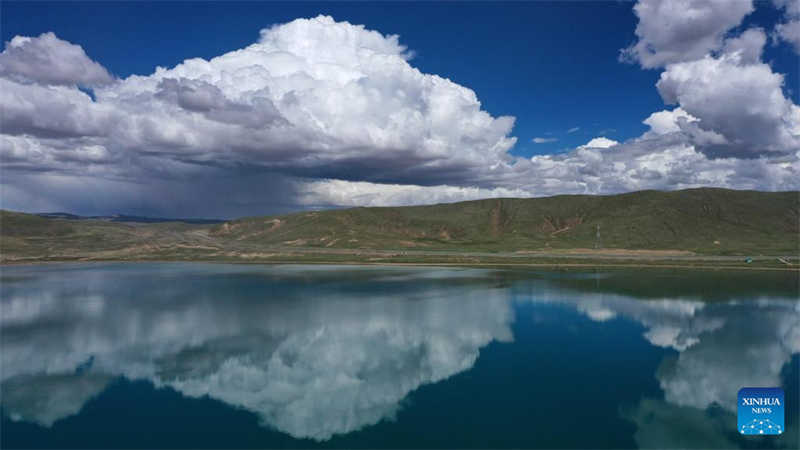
x=126, y=218
x=695, y=221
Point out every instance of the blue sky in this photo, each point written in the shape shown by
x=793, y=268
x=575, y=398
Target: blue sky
x=553, y=66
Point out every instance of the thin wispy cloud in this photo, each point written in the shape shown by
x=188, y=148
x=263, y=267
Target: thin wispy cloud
x=543, y=140
x=573, y=129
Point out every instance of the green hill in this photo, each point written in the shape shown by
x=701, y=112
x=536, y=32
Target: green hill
x=702, y=221
x=710, y=221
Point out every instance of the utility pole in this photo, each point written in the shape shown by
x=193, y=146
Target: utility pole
x=598, y=243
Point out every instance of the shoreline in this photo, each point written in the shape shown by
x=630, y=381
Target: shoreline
x=597, y=264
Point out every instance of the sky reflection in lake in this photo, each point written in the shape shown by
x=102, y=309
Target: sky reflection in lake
x=366, y=357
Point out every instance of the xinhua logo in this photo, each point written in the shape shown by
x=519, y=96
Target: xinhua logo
x=760, y=411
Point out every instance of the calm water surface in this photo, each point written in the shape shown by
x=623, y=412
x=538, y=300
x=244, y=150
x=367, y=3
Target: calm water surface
x=204, y=355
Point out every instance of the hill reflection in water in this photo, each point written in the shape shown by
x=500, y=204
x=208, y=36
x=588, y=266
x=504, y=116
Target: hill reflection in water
x=317, y=352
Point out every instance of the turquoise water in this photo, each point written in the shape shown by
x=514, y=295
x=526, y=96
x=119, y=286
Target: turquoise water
x=220, y=356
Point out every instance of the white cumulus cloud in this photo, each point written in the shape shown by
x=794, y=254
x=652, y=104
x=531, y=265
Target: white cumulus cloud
x=319, y=113
x=313, y=97
x=736, y=103
x=600, y=142
x=740, y=107
x=681, y=30
x=46, y=59
x=748, y=45
x=790, y=32
x=663, y=122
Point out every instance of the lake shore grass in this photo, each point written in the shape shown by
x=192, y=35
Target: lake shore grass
x=769, y=263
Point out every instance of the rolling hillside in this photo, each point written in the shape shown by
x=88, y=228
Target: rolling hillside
x=701, y=221
x=711, y=221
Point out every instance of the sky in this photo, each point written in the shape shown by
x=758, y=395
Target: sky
x=212, y=109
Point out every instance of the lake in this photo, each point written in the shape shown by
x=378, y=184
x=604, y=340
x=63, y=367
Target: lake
x=219, y=356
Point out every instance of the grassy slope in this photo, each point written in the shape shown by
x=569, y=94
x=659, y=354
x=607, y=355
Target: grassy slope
x=741, y=222
x=709, y=221
x=27, y=235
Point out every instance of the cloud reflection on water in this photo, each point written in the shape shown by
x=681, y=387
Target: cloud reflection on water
x=309, y=362
x=722, y=346
x=316, y=352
